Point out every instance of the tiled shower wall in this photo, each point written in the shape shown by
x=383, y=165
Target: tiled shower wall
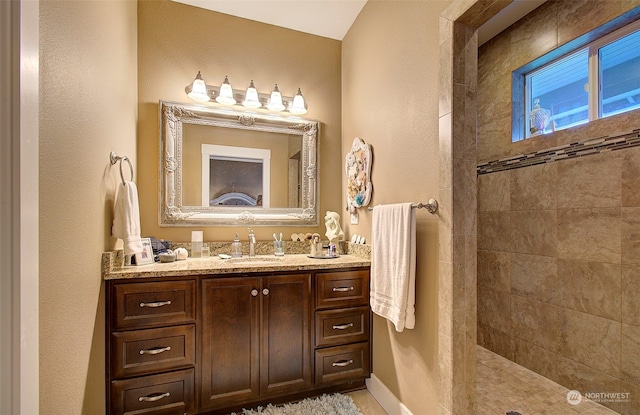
x=559, y=271
x=559, y=242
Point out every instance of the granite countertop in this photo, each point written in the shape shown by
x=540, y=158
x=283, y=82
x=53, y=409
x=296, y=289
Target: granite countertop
x=112, y=267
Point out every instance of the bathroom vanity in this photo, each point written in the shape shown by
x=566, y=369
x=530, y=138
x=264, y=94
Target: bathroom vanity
x=212, y=336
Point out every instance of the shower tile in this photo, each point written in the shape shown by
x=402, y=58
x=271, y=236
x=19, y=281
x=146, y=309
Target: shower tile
x=588, y=182
x=591, y=340
x=503, y=385
x=534, y=232
x=630, y=295
x=445, y=298
x=631, y=177
x=578, y=17
x=494, y=231
x=589, y=234
x=590, y=287
x=535, y=322
x=630, y=364
x=536, y=359
x=534, y=35
x=446, y=60
x=534, y=187
x=445, y=240
x=632, y=403
x=495, y=340
x=534, y=276
x=459, y=271
x=493, y=309
x=631, y=236
x=576, y=376
x=465, y=144
x=494, y=270
x=494, y=191
x=464, y=196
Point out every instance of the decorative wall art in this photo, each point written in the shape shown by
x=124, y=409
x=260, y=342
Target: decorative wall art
x=358, y=169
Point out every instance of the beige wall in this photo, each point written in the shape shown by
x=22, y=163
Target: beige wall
x=176, y=40
x=390, y=100
x=88, y=104
x=557, y=242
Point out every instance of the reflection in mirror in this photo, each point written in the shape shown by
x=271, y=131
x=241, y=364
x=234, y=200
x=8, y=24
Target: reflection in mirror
x=235, y=176
x=226, y=167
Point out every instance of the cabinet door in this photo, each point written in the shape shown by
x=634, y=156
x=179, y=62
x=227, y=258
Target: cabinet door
x=286, y=354
x=229, y=334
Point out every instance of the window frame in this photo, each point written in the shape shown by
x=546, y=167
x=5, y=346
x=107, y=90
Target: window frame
x=521, y=88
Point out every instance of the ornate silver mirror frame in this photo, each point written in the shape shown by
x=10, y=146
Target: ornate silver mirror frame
x=172, y=212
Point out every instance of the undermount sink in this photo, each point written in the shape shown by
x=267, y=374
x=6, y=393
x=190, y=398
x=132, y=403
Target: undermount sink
x=254, y=259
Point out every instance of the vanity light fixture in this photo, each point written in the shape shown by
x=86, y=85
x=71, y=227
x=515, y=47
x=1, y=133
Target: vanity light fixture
x=251, y=97
x=275, y=100
x=198, y=90
x=298, y=106
x=226, y=93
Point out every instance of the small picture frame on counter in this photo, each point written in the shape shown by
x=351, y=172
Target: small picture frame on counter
x=146, y=256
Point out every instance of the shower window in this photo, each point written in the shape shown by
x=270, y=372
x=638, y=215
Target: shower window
x=598, y=80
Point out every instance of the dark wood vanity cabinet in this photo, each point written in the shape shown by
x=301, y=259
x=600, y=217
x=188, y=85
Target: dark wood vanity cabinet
x=255, y=338
x=342, y=326
x=151, y=347
x=215, y=344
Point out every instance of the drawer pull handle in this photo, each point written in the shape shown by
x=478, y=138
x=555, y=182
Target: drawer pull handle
x=342, y=326
x=254, y=292
x=157, y=350
x=153, y=398
x=156, y=304
x=341, y=289
x=342, y=363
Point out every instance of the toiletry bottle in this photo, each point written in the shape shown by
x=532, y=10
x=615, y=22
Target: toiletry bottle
x=236, y=247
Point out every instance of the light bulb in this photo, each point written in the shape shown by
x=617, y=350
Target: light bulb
x=251, y=97
x=298, y=105
x=226, y=93
x=275, y=101
x=199, y=89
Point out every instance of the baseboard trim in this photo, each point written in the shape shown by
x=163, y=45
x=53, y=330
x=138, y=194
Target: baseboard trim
x=385, y=397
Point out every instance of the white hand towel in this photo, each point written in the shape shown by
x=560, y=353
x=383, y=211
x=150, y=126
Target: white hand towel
x=126, y=219
x=393, y=264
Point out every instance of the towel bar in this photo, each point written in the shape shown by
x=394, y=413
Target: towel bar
x=115, y=158
x=431, y=206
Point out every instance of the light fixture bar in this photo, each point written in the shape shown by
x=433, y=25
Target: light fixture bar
x=239, y=95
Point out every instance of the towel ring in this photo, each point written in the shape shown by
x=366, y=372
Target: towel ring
x=115, y=158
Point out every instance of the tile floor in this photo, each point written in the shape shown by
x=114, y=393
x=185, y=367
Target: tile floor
x=366, y=403
x=504, y=386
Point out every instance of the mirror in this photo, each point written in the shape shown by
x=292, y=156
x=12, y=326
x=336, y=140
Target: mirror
x=221, y=167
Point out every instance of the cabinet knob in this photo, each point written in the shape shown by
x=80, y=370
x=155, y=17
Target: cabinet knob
x=254, y=292
x=265, y=291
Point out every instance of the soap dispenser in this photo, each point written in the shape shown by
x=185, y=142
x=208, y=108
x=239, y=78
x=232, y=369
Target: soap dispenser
x=236, y=247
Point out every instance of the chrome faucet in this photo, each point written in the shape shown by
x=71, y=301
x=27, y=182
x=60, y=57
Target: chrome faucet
x=252, y=243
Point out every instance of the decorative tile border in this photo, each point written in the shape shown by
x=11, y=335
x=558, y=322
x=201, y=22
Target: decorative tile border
x=567, y=151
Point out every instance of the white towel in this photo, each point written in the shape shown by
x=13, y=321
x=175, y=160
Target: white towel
x=393, y=264
x=126, y=219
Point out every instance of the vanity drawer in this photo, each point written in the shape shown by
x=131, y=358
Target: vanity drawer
x=342, y=326
x=141, y=352
x=168, y=393
x=149, y=304
x=342, y=363
x=342, y=289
